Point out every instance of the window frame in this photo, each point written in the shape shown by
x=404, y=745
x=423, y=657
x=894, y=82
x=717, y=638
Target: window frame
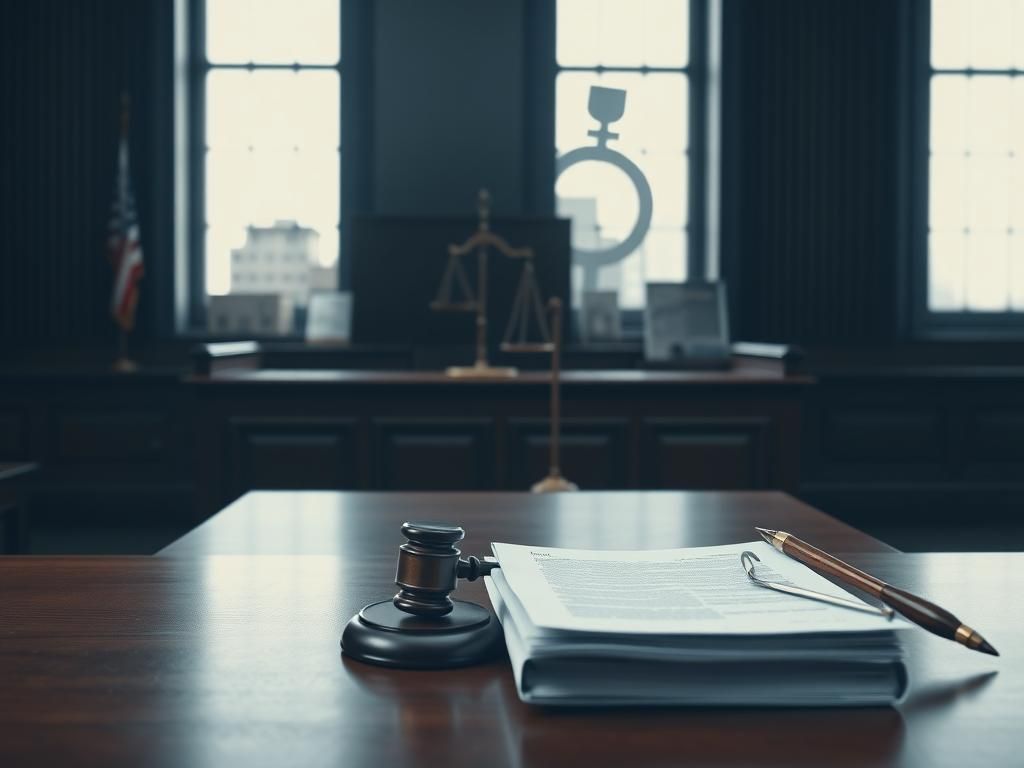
x=698, y=260
x=927, y=323
x=355, y=183
x=199, y=66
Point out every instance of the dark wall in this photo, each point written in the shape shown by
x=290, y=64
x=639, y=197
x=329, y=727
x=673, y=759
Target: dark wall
x=63, y=65
x=448, y=106
x=812, y=201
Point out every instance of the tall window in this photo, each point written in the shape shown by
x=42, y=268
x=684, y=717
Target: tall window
x=976, y=159
x=270, y=151
x=642, y=48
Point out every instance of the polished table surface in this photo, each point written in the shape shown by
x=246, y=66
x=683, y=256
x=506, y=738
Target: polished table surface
x=211, y=655
x=367, y=524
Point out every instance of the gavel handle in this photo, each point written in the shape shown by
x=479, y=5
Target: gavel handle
x=473, y=568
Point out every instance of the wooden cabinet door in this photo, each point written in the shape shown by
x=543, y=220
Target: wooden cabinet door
x=433, y=454
x=292, y=454
x=719, y=454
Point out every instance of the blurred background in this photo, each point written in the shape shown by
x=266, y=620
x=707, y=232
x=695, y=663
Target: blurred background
x=852, y=171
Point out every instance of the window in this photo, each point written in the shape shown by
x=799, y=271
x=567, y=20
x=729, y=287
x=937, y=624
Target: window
x=975, y=212
x=267, y=162
x=643, y=49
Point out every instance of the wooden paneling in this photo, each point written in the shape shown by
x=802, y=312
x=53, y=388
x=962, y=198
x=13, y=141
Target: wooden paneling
x=90, y=436
x=111, y=449
x=705, y=453
x=992, y=449
x=64, y=64
x=139, y=448
x=15, y=482
x=292, y=453
x=442, y=454
x=996, y=435
x=13, y=435
x=897, y=433
x=912, y=450
x=418, y=430
x=10, y=527
x=593, y=452
x=76, y=502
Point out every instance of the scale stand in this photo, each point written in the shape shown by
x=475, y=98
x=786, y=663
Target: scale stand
x=527, y=297
x=555, y=482
x=527, y=316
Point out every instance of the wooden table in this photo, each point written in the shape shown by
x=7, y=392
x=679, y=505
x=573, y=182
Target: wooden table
x=368, y=524
x=14, y=507
x=211, y=655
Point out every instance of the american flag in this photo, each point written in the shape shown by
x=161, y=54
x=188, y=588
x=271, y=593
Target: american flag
x=123, y=244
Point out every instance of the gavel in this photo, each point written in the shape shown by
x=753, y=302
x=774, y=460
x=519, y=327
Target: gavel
x=429, y=568
x=421, y=627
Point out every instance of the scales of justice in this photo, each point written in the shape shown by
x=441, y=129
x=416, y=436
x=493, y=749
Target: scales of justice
x=529, y=313
x=527, y=305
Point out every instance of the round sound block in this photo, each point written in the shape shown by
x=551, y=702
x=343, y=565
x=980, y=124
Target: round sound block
x=382, y=634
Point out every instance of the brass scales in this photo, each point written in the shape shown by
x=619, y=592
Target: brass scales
x=455, y=294
x=526, y=306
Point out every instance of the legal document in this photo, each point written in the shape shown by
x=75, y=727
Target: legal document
x=685, y=626
x=701, y=590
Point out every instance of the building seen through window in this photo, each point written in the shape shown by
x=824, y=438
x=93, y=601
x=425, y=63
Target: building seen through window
x=272, y=157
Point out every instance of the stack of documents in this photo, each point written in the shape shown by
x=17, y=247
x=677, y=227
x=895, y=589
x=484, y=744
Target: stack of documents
x=686, y=626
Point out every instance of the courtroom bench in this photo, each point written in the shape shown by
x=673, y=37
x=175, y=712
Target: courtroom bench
x=163, y=449
x=420, y=430
x=885, y=441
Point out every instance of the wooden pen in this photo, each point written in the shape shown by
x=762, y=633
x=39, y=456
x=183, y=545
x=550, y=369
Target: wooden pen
x=920, y=611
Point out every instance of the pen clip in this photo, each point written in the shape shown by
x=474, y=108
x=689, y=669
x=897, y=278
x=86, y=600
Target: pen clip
x=746, y=559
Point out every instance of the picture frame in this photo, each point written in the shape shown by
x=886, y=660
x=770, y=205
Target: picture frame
x=687, y=325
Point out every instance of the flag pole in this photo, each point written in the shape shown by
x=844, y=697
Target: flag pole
x=123, y=363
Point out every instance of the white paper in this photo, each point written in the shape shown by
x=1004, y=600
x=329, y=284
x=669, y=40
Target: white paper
x=329, y=317
x=696, y=591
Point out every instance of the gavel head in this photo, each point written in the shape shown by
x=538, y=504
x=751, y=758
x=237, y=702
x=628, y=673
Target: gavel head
x=428, y=568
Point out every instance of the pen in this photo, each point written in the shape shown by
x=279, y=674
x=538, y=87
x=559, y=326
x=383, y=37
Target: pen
x=920, y=611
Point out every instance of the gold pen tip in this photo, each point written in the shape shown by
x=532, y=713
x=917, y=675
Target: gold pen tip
x=766, y=533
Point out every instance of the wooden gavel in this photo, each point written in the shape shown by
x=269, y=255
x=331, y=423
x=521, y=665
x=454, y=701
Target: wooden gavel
x=429, y=567
x=421, y=627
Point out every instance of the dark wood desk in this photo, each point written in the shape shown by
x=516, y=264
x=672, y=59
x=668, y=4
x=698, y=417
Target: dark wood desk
x=14, y=507
x=420, y=430
x=232, y=659
x=367, y=524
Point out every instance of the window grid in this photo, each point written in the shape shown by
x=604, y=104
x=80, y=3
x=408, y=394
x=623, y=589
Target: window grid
x=630, y=275
x=205, y=70
x=975, y=151
x=981, y=244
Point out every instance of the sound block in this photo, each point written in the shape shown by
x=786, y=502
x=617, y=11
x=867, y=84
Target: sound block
x=382, y=634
